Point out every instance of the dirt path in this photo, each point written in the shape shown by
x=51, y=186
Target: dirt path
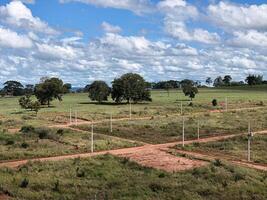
x=148, y=155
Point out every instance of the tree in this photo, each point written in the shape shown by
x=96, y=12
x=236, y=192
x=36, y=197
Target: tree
x=167, y=86
x=189, y=88
x=27, y=103
x=13, y=88
x=29, y=89
x=99, y=91
x=218, y=82
x=49, y=90
x=227, y=80
x=130, y=87
x=67, y=88
x=209, y=81
x=253, y=79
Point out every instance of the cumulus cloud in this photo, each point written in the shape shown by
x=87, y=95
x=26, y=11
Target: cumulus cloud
x=237, y=16
x=109, y=28
x=250, y=38
x=27, y=1
x=16, y=14
x=136, y=6
x=9, y=38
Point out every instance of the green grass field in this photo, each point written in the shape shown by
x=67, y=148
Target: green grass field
x=12, y=115
x=236, y=148
x=107, y=177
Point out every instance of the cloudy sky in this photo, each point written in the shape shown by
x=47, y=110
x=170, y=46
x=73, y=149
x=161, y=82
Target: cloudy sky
x=85, y=40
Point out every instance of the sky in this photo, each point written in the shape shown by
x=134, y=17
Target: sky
x=81, y=41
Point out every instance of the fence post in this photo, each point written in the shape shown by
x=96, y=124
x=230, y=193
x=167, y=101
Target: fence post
x=92, y=138
x=111, y=127
x=183, y=130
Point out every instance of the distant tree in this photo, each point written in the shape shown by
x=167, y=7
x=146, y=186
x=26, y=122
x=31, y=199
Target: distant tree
x=67, y=88
x=189, y=88
x=49, y=90
x=253, y=79
x=29, y=89
x=167, y=86
x=218, y=82
x=13, y=88
x=227, y=80
x=214, y=102
x=99, y=91
x=209, y=81
x=130, y=87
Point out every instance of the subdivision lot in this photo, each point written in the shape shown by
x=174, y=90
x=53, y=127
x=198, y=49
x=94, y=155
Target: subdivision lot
x=233, y=148
x=118, y=178
x=169, y=128
x=43, y=142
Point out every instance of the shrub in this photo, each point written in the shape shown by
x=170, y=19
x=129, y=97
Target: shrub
x=60, y=132
x=10, y=142
x=80, y=173
x=218, y=162
x=24, y=145
x=214, y=102
x=43, y=133
x=24, y=183
x=27, y=129
x=56, y=186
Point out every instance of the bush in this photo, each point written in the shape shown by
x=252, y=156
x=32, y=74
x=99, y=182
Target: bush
x=27, y=129
x=80, y=173
x=10, y=142
x=56, y=186
x=214, y=102
x=43, y=133
x=24, y=145
x=24, y=183
x=60, y=132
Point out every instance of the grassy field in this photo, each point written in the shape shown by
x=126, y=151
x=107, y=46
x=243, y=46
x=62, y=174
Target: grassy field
x=107, y=177
x=236, y=148
x=12, y=115
x=43, y=142
x=169, y=128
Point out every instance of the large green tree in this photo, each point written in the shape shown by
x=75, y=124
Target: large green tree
x=13, y=88
x=189, y=88
x=130, y=87
x=99, y=91
x=49, y=90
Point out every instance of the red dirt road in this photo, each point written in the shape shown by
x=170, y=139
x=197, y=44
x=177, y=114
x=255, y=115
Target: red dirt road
x=155, y=156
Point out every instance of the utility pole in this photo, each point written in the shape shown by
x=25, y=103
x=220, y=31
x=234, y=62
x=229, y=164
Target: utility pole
x=76, y=121
x=111, y=128
x=130, y=110
x=92, y=138
x=250, y=135
x=198, y=129
x=183, y=131
x=70, y=115
x=226, y=104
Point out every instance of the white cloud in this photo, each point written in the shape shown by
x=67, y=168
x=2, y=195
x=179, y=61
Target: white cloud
x=109, y=28
x=250, y=38
x=18, y=15
x=136, y=6
x=11, y=39
x=235, y=16
x=27, y=1
x=177, y=14
x=179, y=30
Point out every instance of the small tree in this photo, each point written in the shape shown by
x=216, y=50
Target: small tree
x=36, y=106
x=167, y=86
x=209, y=81
x=227, y=80
x=253, y=79
x=214, y=102
x=25, y=102
x=99, y=91
x=189, y=89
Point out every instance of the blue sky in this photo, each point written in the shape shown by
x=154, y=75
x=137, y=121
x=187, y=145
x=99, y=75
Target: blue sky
x=85, y=40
